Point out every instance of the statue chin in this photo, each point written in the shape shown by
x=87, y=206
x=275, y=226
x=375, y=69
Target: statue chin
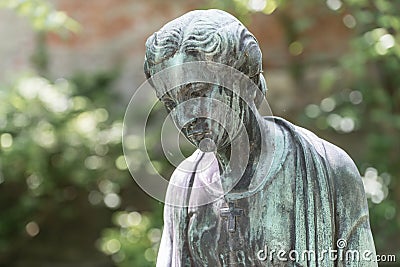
x=206, y=141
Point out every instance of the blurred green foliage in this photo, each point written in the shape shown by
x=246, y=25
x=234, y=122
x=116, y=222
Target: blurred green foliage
x=55, y=146
x=62, y=164
x=372, y=102
x=135, y=240
x=42, y=15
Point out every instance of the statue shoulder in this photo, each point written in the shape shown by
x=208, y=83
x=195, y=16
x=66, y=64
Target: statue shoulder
x=343, y=167
x=349, y=193
x=347, y=184
x=344, y=172
x=350, y=201
x=347, y=187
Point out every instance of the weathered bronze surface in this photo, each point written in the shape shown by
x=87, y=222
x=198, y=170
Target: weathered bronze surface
x=301, y=195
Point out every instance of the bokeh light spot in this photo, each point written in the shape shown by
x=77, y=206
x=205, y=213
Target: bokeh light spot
x=312, y=111
x=347, y=124
x=112, y=246
x=296, y=48
x=356, y=97
x=101, y=114
x=150, y=255
x=32, y=228
x=374, y=187
x=328, y=104
x=387, y=41
x=349, y=21
x=134, y=218
x=95, y=197
x=334, y=4
x=33, y=182
x=112, y=200
x=154, y=235
x=257, y=5
x=93, y=162
x=334, y=121
x=6, y=140
x=120, y=163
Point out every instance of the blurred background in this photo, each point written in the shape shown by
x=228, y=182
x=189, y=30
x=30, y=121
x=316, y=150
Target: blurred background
x=69, y=68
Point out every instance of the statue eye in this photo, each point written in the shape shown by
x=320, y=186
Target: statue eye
x=200, y=92
x=168, y=103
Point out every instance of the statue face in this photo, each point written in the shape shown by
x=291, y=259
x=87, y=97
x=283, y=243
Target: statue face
x=207, y=36
x=208, y=115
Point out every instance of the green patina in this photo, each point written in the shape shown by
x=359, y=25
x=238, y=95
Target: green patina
x=286, y=190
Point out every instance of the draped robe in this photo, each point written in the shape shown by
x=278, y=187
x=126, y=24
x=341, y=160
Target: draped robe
x=312, y=199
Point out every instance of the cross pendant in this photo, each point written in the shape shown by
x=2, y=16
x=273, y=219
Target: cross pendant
x=231, y=212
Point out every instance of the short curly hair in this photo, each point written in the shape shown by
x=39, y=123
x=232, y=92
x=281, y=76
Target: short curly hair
x=208, y=35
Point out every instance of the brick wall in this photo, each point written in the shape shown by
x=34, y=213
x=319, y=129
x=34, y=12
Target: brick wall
x=114, y=32
x=17, y=43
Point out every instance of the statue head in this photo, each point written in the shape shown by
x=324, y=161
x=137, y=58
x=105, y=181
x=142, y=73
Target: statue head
x=210, y=36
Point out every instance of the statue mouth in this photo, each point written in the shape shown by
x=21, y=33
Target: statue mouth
x=205, y=135
x=208, y=139
x=197, y=136
x=203, y=140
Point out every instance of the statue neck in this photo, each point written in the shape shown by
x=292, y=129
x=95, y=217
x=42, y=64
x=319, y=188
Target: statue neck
x=238, y=162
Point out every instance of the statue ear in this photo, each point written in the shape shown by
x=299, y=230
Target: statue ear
x=262, y=90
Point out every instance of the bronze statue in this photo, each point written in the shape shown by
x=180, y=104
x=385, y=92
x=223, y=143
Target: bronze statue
x=286, y=197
